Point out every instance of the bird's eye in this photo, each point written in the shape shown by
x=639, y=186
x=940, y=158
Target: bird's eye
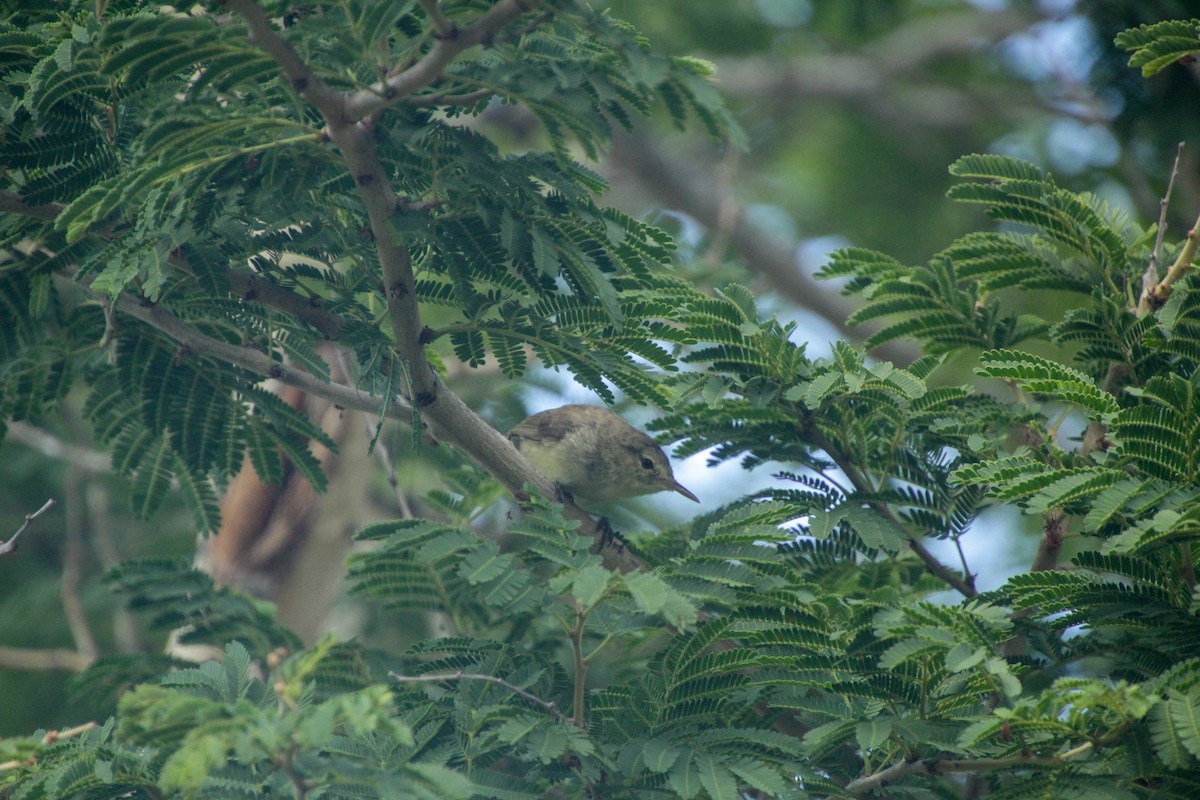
x=647, y=463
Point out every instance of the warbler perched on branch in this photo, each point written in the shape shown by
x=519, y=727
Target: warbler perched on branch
x=594, y=455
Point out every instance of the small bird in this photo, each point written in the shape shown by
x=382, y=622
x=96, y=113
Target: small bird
x=595, y=455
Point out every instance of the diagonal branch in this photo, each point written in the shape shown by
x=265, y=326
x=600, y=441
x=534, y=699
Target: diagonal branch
x=964, y=584
x=688, y=187
x=448, y=44
x=328, y=101
x=443, y=28
x=342, y=109
x=351, y=128
x=256, y=362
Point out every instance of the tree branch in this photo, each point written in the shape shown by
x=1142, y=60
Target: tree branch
x=581, y=667
x=1150, y=277
x=13, y=203
x=59, y=658
x=256, y=362
x=688, y=188
x=938, y=766
x=428, y=68
x=1160, y=292
x=352, y=132
x=11, y=545
x=964, y=584
x=246, y=284
x=442, y=27
x=254, y=289
x=548, y=705
x=51, y=446
x=303, y=81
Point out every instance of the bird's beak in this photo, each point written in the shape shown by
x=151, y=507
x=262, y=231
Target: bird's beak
x=676, y=486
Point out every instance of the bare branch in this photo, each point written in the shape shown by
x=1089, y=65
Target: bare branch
x=548, y=705
x=468, y=99
x=51, y=446
x=1160, y=292
x=688, y=187
x=253, y=288
x=43, y=660
x=581, y=667
x=11, y=545
x=255, y=361
x=1150, y=277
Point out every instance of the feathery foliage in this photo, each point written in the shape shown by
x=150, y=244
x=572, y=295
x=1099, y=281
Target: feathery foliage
x=180, y=206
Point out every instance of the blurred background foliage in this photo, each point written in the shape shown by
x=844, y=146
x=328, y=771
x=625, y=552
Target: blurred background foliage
x=852, y=112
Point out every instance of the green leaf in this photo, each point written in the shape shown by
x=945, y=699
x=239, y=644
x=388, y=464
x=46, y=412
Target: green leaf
x=659, y=754
x=652, y=595
x=684, y=777
x=872, y=733
x=964, y=656
x=590, y=584
x=716, y=779
x=1184, y=709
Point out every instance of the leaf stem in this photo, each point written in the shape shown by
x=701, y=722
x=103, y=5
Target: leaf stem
x=581, y=666
x=965, y=585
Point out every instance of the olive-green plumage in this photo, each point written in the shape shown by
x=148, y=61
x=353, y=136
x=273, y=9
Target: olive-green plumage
x=594, y=454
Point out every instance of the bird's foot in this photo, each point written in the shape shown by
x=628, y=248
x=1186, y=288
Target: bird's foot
x=608, y=536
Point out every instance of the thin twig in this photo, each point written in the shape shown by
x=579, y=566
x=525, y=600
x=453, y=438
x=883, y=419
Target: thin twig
x=427, y=69
x=1182, y=264
x=1150, y=278
x=962, y=556
x=50, y=738
x=549, y=705
x=1155, y=295
x=964, y=584
x=11, y=545
x=447, y=99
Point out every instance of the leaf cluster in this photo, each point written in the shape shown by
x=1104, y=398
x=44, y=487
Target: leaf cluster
x=176, y=166
x=788, y=644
